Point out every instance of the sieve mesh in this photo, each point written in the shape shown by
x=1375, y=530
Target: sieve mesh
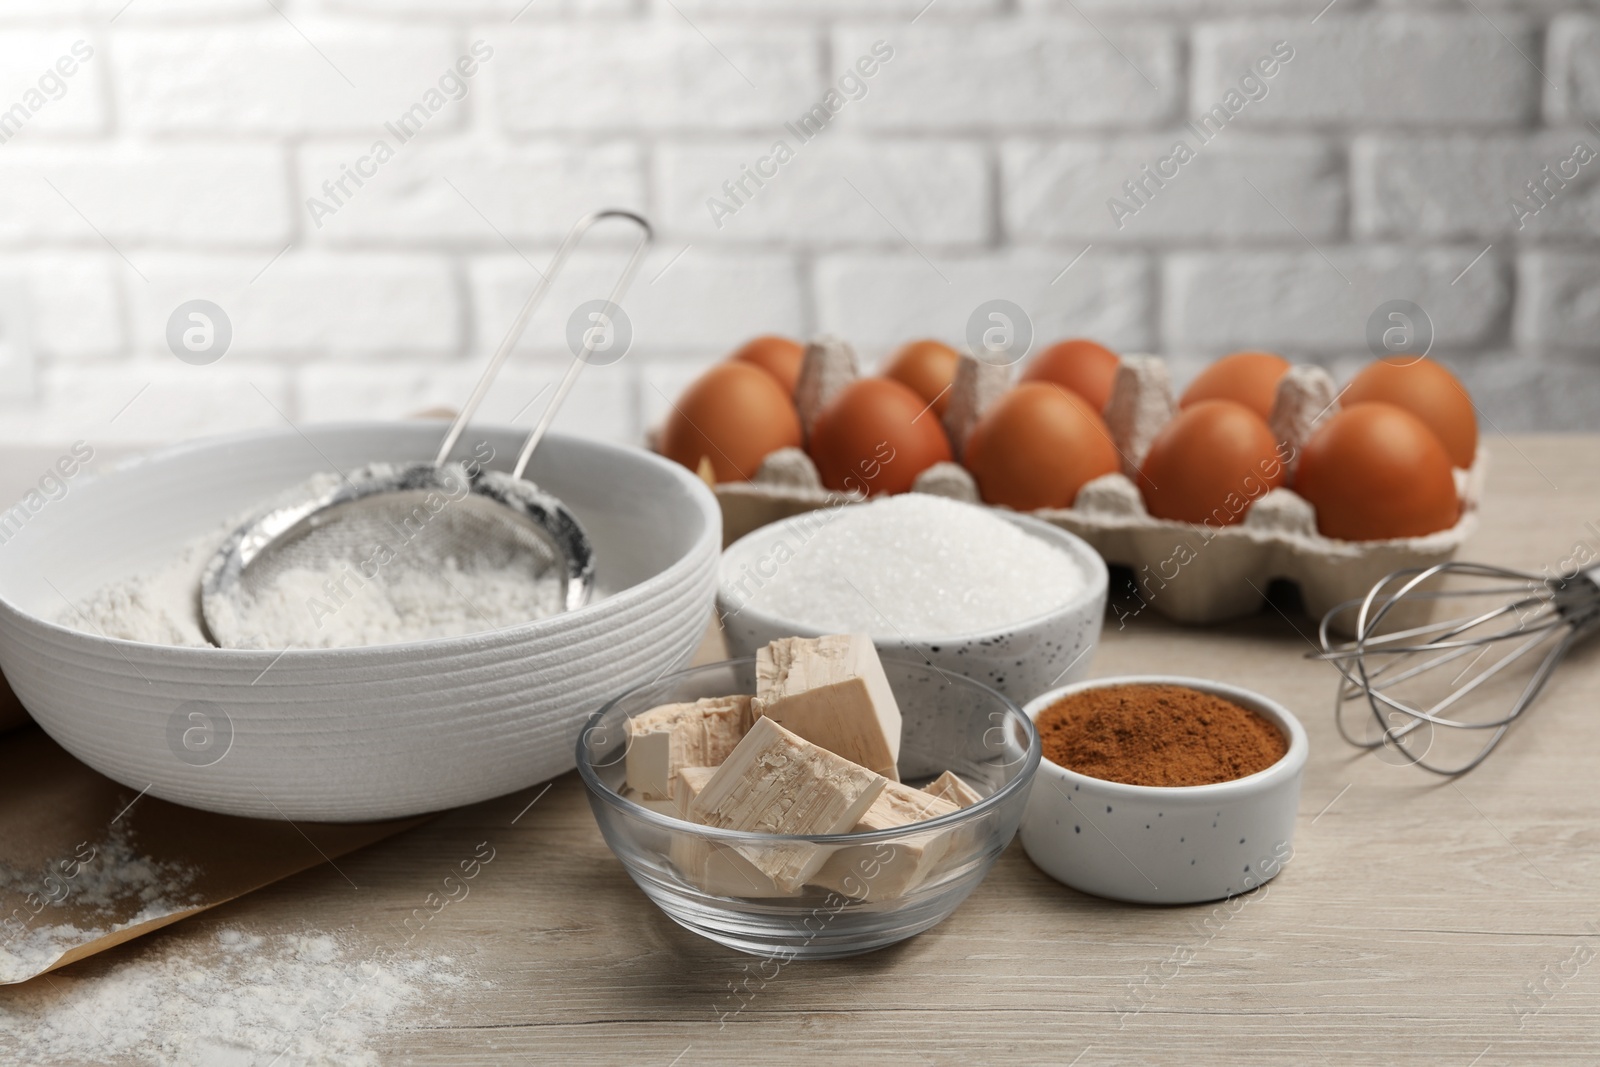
x=414, y=531
x=384, y=536
x=397, y=554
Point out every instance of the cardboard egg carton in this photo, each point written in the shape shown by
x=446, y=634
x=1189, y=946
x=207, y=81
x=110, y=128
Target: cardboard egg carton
x=1183, y=571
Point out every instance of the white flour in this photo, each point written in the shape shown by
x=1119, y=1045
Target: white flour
x=159, y=605
x=437, y=598
x=237, y=999
x=422, y=589
x=107, y=885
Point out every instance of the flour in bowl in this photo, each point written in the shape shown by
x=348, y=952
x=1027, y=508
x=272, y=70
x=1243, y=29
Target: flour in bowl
x=159, y=605
x=440, y=596
x=902, y=566
x=404, y=584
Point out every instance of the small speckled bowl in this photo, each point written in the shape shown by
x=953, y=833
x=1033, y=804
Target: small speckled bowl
x=1020, y=661
x=1168, y=844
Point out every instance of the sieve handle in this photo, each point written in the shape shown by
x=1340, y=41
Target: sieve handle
x=535, y=298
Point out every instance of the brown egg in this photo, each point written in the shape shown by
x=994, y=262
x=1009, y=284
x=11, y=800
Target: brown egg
x=734, y=415
x=926, y=368
x=778, y=356
x=1087, y=368
x=1248, y=378
x=1429, y=392
x=875, y=437
x=1210, y=464
x=1036, y=447
x=1375, y=471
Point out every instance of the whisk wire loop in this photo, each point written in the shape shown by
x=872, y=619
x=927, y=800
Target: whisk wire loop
x=1386, y=659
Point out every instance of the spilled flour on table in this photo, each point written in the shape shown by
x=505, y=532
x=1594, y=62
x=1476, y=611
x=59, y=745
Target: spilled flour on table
x=293, y=1000
x=106, y=886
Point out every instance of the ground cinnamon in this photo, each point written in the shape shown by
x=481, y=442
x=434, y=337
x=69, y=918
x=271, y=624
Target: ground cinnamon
x=1158, y=735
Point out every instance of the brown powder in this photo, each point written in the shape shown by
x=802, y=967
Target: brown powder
x=1158, y=735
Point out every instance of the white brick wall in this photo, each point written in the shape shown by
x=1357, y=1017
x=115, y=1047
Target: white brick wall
x=132, y=197
x=1058, y=190
x=880, y=300
x=1432, y=188
x=175, y=162
x=1318, y=302
x=1013, y=73
x=264, y=79
x=1411, y=68
x=311, y=307
x=855, y=192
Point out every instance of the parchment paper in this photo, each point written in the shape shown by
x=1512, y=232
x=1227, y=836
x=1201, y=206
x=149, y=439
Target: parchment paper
x=54, y=811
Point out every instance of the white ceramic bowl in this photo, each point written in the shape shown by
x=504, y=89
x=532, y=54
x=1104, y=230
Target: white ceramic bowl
x=354, y=733
x=1166, y=845
x=1020, y=660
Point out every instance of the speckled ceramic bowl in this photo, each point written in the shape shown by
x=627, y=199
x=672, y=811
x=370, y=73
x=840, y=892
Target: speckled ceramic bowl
x=1166, y=845
x=1020, y=661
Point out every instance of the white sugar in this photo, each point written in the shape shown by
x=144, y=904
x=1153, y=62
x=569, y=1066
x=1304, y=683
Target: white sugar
x=905, y=566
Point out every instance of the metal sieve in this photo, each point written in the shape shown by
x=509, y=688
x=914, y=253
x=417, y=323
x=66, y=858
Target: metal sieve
x=397, y=522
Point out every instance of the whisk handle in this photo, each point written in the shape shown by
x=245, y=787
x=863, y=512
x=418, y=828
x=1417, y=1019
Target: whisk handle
x=514, y=334
x=1578, y=598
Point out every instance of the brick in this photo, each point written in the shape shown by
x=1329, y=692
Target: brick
x=125, y=13
x=19, y=362
x=924, y=9
x=1572, y=44
x=75, y=310
x=659, y=75
x=1525, y=393
x=523, y=193
x=222, y=195
x=1013, y=74
x=1297, y=300
x=1412, y=68
x=601, y=404
x=1064, y=189
x=269, y=79
x=933, y=193
x=1559, y=299
x=1514, y=391
x=1444, y=187
x=1162, y=7
x=879, y=301
x=701, y=301
x=147, y=403
x=1492, y=6
x=36, y=97
x=499, y=11
x=662, y=381
x=310, y=304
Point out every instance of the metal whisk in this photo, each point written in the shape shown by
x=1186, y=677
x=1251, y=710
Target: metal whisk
x=1419, y=678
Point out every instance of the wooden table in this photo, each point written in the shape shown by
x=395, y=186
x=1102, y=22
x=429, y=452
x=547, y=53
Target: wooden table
x=1410, y=927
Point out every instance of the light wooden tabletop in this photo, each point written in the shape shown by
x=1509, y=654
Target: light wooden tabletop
x=1412, y=925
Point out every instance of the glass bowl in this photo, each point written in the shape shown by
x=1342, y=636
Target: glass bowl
x=884, y=886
